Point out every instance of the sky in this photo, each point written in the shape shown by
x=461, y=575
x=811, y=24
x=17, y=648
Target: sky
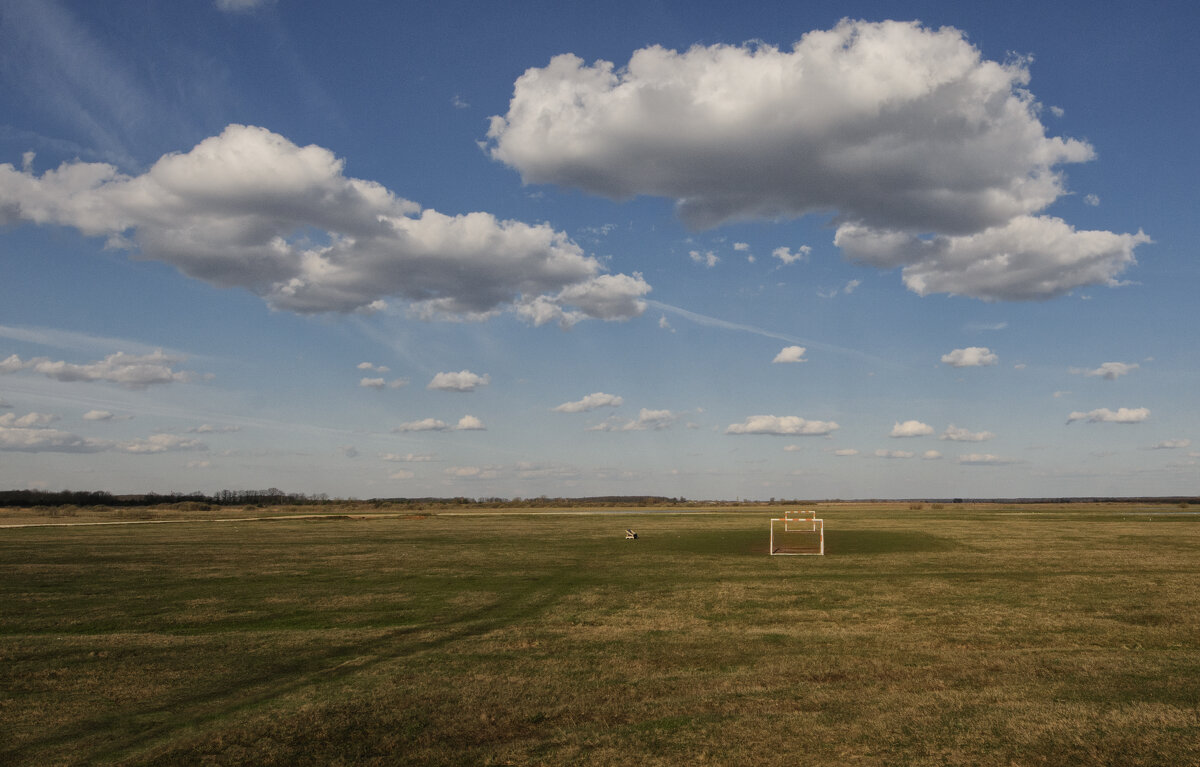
x=701, y=250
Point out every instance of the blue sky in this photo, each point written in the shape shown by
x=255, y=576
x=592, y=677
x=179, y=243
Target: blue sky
x=816, y=250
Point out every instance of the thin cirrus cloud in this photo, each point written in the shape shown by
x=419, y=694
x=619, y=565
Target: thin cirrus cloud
x=1104, y=415
x=647, y=420
x=590, y=402
x=382, y=383
x=985, y=459
x=959, y=434
x=247, y=208
x=931, y=157
x=788, y=425
x=971, y=357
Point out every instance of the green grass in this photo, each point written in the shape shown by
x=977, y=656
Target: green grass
x=993, y=636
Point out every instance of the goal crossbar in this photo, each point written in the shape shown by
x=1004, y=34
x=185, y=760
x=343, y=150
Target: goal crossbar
x=800, y=533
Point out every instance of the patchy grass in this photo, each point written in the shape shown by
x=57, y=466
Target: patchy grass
x=994, y=636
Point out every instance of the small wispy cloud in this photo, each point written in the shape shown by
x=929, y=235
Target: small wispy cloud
x=789, y=354
x=462, y=381
x=647, y=420
x=788, y=425
x=971, y=356
x=957, y=434
x=1109, y=371
x=786, y=255
x=1172, y=444
x=910, y=429
x=1104, y=415
x=590, y=402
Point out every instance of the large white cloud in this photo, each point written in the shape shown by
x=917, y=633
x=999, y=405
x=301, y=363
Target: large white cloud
x=927, y=155
x=787, y=425
x=1028, y=257
x=250, y=209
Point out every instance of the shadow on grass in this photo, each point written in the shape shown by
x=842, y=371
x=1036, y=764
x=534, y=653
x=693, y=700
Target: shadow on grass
x=884, y=542
x=837, y=542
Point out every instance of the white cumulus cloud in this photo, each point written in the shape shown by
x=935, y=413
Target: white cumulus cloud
x=248, y=208
x=469, y=423
x=786, y=255
x=893, y=454
x=790, y=354
x=787, y=425
x=910, y=429
x=27, y=420
x=1026, y=258
x=1104, y=415
x=462, y=381
x=972, y=356
x=929, y=156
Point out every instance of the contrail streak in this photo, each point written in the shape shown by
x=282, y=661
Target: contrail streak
x=715, y=322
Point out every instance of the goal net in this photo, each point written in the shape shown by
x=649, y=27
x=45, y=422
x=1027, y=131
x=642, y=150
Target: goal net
x=798, y=532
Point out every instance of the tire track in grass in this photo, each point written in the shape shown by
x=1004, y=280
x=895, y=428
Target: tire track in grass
x=530, y=600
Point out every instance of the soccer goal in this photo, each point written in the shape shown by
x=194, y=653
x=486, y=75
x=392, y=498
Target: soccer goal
x=798, y=532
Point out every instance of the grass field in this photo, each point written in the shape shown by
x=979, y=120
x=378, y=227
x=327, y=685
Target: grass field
x=1057, y=635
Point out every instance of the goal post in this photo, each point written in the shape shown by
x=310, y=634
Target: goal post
x=797, y=533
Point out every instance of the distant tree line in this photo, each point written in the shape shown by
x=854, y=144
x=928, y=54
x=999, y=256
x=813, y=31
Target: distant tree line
x=275, y=497
x=270, y=497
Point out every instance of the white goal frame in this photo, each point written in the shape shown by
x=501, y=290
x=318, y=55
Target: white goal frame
x=798, y=522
